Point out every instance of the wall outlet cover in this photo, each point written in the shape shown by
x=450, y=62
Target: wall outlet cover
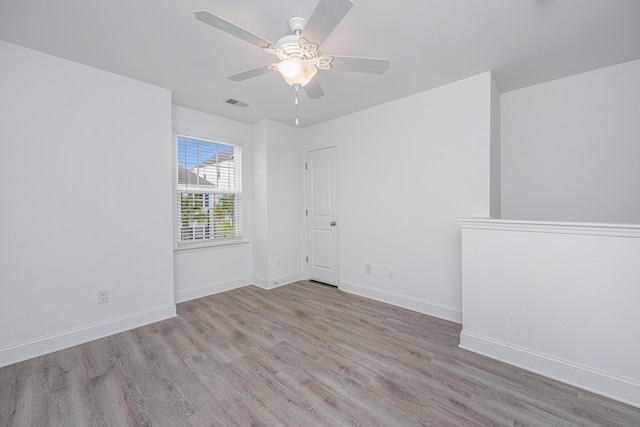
x=103, y=296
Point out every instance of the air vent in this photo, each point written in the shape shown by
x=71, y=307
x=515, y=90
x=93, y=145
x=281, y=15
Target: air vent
x=236, y=103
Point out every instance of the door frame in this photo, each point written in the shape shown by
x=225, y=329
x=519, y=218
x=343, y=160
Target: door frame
x=306, y=204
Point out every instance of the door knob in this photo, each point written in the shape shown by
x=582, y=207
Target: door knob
x=332, y=223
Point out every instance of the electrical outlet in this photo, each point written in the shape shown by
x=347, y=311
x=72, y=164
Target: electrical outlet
x=277, y=261
x=103, y=296
x=391, y=273
x=367, y=269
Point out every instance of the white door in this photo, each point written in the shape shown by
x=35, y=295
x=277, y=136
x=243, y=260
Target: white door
x=322, y=227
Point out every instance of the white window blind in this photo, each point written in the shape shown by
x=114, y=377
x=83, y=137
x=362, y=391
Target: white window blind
x=209, y=190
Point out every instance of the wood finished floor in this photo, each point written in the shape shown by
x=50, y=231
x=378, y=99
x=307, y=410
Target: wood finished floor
x=304, y=354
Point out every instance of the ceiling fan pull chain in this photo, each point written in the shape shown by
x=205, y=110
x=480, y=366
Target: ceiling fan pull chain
x=297, y=88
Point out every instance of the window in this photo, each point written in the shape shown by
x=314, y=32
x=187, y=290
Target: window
x=209, y=190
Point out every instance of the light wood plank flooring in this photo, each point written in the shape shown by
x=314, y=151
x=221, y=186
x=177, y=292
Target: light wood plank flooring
x=304, y=354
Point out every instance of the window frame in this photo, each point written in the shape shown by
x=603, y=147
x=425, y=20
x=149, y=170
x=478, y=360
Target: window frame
x=210, y=242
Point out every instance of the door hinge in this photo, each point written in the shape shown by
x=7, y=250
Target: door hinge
x=306, y=212
x=307, y=258
x=305, y=166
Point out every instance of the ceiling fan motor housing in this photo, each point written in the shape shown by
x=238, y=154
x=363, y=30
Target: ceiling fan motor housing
x=290, y=45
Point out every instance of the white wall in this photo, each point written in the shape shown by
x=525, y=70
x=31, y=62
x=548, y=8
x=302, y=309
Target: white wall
x=208, y=270
x=85, y=183
x=407, y=170
x=496, y=157
x=278, y=204
x=559, y=299
x=260, y=241
x=570, y=148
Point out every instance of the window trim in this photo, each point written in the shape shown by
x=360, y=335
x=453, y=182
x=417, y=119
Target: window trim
x=209, y=243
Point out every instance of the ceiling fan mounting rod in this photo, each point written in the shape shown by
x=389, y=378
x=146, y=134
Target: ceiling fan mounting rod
x=297, y=24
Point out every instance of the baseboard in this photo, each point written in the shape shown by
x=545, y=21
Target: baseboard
x=260, y=282
x=431, y=308
x=603, y=383
x=206, y=290
x=274, y=283
x=38, y=347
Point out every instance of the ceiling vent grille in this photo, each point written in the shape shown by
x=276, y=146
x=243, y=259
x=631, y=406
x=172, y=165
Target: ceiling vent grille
x=236, y=103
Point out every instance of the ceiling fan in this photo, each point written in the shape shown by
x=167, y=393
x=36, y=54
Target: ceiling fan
x=297, y=53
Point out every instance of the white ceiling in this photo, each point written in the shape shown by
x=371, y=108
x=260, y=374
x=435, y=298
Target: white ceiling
x=429, y=42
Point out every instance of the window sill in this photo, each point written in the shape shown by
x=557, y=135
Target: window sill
x=194, y=247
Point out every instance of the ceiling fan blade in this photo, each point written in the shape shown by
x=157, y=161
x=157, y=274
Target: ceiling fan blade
x=360, y=65
x=231, y=28
x=325, y=17
x=313, y=88
x=251, y=73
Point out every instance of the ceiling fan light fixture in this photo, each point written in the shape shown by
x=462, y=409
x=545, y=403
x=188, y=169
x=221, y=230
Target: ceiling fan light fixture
x=296, y=71
x=298, y=53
